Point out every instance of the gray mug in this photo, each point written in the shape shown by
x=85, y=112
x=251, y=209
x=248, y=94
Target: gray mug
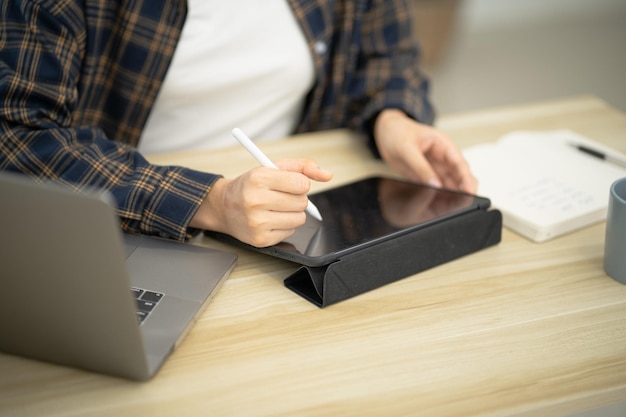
x=615, y=239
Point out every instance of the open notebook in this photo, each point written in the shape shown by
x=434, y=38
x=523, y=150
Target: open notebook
x=545, y=186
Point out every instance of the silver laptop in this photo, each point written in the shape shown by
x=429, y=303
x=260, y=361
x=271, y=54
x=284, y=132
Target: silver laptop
x=76, y=291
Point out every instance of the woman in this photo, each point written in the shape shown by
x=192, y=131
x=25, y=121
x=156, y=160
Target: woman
x=88, y=85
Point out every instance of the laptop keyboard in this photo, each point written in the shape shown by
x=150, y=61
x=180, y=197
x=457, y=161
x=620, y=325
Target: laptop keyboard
x=146, y=302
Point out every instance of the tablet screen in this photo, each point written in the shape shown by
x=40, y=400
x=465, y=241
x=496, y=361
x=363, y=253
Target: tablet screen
x=368, y=211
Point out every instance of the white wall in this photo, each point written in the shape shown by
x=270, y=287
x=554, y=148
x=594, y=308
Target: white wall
x=480, y=15
x=513, y=51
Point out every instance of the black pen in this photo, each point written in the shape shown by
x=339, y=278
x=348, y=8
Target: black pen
x=600, y=154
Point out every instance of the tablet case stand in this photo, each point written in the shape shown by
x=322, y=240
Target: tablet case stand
x=397, y=258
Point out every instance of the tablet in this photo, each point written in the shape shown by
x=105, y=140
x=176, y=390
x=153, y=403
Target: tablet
x=364, y=213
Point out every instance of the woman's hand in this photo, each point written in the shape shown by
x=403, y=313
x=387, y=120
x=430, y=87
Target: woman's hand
x=262, y=206
x=420, y=152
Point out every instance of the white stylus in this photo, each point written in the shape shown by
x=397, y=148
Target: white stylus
x=266, y=162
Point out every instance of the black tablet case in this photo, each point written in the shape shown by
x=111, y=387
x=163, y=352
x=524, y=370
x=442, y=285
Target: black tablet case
x=397, y=258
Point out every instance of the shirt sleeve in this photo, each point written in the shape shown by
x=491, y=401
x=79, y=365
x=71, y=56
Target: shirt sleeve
x=388, y=73
x=41, y=55
x=367, y=59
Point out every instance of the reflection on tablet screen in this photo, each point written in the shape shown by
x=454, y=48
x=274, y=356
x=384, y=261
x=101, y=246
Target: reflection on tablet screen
x=371, y=209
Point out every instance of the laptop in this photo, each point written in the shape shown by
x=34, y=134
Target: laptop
x=76, y=291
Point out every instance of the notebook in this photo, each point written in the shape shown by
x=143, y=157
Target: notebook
x=70, y=279
x=543, y=184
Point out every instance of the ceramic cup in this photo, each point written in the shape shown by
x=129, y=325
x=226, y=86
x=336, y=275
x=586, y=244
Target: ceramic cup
x=615, y=239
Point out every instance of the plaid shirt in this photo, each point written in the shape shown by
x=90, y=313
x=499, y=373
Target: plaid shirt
x=78, y=79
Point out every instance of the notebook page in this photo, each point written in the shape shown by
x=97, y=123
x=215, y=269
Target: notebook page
x=544, y=186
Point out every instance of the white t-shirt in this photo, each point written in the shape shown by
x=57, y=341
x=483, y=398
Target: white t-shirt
x=239, y=63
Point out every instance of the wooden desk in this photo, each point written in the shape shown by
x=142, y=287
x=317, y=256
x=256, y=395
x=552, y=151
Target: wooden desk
x=518, y=329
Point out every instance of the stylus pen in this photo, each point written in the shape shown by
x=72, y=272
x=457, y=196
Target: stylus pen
x=599, y=154
x=266, y=162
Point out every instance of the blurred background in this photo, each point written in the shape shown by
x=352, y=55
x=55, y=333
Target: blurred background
x=487, y=53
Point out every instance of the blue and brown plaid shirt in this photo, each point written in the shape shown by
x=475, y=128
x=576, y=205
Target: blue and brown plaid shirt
x=78, y=79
